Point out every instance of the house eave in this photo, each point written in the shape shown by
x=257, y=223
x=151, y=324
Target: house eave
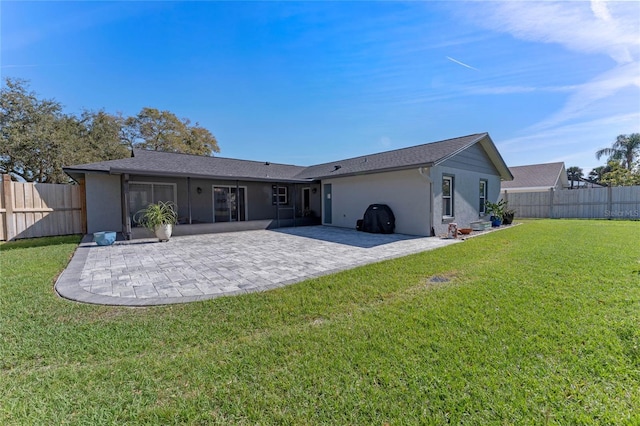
x=375, y=171
x=160, y=173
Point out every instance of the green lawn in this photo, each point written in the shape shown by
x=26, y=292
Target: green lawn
x=539, y=324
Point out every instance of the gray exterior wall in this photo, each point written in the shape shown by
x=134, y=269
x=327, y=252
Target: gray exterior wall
x=259, y=205
x=104, y=206
x=467, y=169
x=405, y=191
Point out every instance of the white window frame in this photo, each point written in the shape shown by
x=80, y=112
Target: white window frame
x=449, y=197
x=281, y=197
x=482, y=208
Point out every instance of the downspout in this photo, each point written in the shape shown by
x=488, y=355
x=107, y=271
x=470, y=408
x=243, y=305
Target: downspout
x=424, y=172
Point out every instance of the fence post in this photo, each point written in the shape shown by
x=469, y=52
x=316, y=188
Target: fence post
x=609, y=201
x=551, y=191
x=9, y=224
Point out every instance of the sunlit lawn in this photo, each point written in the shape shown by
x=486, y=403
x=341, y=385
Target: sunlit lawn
x=538, y=324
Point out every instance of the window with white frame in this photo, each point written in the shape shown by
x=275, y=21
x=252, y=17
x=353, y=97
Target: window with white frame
x=482, y=207
x=447, y=196
x=279, y=195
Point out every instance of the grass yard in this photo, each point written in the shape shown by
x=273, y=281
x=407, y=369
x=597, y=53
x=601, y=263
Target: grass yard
x=538, y=324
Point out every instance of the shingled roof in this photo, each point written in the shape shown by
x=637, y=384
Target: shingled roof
x=171, y=164
x=537, y=176
x=158, y=163
x=425, y=155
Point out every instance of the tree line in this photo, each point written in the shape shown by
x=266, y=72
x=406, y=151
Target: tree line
x=622, y=168
x=37, y=138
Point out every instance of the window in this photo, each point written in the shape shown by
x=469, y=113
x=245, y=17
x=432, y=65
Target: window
x=482, y=208
x=141, y=194
x=279, y=195
x=447, y=196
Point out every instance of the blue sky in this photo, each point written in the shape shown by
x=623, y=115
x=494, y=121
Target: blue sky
x=311, y=82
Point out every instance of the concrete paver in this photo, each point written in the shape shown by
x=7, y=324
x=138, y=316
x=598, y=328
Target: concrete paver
x=198, y=267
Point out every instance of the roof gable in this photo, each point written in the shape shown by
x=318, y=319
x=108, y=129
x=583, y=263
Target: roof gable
x=547, y=175
x=425, y=155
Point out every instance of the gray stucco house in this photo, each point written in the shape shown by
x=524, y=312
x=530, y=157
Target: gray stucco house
x=427, y=186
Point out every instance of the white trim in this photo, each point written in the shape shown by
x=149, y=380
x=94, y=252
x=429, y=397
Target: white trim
x=483, y=208
x=446, y=177
x=213, y=201
x=276, y=195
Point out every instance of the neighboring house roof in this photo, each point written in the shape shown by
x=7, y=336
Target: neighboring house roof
x=537, y=177
x=165, y=163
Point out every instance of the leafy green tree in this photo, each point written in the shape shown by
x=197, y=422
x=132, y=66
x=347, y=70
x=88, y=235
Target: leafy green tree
x=163, y=131
x=574, y=174
x=101, y=134
x=621, y=176
x=625, y=150
x=30, y=133
x=37, y=139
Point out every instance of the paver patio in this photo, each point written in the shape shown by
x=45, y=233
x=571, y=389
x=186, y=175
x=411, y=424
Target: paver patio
x=191, y=268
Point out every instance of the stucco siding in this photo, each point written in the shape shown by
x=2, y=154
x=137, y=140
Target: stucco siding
x=406, y=192
x=104, y=212
x=466, y=195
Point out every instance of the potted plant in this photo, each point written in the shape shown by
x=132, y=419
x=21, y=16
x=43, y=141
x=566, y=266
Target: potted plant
x=508, y=215
x=496, y=210
x=159, y=218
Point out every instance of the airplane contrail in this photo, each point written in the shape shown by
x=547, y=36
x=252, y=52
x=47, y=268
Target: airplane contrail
x=462, y=63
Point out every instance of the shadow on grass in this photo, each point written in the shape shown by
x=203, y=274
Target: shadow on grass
x=40, y=242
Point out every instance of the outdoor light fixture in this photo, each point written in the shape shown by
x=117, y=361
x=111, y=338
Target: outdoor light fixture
x=199, y=190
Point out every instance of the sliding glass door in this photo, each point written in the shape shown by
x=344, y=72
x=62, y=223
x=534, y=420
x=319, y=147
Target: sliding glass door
x=229, y=204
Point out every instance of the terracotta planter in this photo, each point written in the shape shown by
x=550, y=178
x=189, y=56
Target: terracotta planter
x=163, y=232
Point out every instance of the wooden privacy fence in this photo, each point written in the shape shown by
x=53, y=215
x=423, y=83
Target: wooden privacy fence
x=29, y=210
x=620, y=202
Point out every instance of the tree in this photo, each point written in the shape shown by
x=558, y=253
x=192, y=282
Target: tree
x=596, y=174
x=30, y=133
x=625, y=150
x=620, y=176
x=574, y=174
x=37, y=139
x=102, y=136
x=162, y=131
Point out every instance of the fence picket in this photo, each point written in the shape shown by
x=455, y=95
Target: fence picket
x=620, y=202
x=29, y=210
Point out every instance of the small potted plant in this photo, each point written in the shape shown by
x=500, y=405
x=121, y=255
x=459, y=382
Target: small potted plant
x=159, y=218
x=496, y=210
x=508, y=215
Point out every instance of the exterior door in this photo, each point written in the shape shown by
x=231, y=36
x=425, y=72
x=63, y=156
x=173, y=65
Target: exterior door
x=327, y=203
x=228, y=203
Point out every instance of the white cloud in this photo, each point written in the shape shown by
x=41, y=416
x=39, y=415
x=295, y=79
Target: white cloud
x=601, y=29
x=603, y=86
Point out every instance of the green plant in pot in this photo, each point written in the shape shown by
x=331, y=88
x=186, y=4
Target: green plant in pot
x=496, y=211
x=508, y=215
x=159, y=218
